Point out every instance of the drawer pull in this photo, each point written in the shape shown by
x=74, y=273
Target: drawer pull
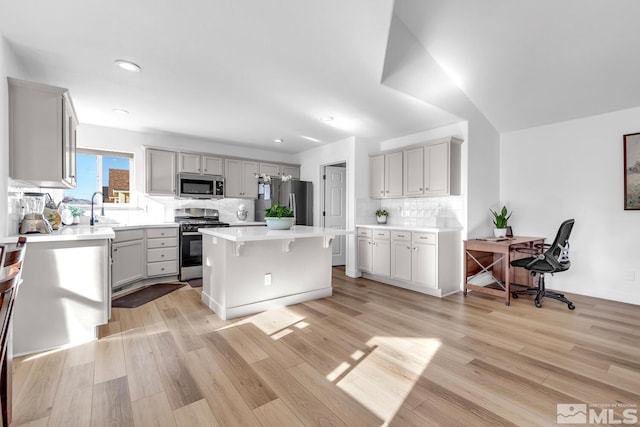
x=162, y=269
x=162, y=256
x=162, y=243
x=400, y=235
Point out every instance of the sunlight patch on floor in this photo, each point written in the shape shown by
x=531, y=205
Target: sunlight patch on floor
x=396, y=362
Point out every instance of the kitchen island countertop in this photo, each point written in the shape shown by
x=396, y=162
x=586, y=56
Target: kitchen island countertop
x=254, y=234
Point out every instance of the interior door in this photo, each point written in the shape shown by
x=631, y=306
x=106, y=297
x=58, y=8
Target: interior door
x=335, y=209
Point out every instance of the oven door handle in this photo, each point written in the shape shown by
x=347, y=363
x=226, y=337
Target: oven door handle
x=191, y=233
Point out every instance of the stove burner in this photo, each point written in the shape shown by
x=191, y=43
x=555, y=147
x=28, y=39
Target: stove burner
x=190, y=223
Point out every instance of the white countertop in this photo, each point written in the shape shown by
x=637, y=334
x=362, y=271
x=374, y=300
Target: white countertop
x=141, y=225
x=74, y=232
x=84, y=232
x=410, y=228
x=252, y=234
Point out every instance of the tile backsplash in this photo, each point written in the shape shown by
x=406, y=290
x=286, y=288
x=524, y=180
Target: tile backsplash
x=414, y=212
x=148, y=209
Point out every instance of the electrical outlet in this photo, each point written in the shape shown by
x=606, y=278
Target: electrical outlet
x=267, y=279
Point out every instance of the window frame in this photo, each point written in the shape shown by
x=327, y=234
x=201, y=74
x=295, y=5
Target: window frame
x=99, y=175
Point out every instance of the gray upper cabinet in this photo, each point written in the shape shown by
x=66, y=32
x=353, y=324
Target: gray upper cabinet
x=240, y=180
x=270, y=169
x=160, y=172
x=42, y=134
x=294, y=171
x=199, y=164
x=385, y=175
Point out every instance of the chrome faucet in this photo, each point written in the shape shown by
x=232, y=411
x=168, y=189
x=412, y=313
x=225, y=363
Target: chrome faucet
x=93, y=219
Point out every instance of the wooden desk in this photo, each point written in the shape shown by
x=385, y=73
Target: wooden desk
x=484, y=256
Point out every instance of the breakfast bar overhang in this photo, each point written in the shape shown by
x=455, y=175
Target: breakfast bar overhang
x=247, y=270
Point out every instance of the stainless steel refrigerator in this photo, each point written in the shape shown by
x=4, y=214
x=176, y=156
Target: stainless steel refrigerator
x=296, y=195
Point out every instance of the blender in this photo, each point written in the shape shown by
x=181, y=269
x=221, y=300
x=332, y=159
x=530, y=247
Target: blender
x=34, y=221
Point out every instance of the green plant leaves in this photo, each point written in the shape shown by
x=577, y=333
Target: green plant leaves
x=500, y=219
x=278, y=211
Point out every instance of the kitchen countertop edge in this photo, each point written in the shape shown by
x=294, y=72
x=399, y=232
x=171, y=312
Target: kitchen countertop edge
x=410, y=228
x=82, y=232
x=254, y=234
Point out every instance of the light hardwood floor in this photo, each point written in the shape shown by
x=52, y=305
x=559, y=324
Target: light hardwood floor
x=370, y=355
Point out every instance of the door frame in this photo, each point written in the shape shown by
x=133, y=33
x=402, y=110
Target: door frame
x=322, y=171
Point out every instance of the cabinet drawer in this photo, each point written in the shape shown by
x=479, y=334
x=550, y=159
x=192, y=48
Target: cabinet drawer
x=381, y=234
x=162, y=243
x=153, y=233
x=400, y=235
x=424, y=238
x=162, y=254
x=364, y=232
x=162, y=268
x=126, y=235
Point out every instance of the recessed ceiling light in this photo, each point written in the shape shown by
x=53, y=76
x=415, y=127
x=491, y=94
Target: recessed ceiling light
x=120, y=111
x=278, y=141
x=128, y=65
x=308, y=138
x=326, y=119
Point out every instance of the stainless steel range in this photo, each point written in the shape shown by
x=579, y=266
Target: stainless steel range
x=191, y=241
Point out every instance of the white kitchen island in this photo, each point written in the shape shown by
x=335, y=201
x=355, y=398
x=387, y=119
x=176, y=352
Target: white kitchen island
x=247, y=270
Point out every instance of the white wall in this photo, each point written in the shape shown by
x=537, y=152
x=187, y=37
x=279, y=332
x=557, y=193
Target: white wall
x=9, y=67
x=337, y=152
x=574, y=169
x=161, y=208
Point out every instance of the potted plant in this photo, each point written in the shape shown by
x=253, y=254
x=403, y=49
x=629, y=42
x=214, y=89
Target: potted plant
x=279, y=217
x=500, y=220
x=77, y=213
x=381, y=215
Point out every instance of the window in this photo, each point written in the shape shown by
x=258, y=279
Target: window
x=104, y=171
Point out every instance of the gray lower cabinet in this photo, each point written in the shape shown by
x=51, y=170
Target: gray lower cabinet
x=127, y=256
x=162, y=251
x=142, y=256
x=424, y=261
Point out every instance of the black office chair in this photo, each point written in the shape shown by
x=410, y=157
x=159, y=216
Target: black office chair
x=554, y=259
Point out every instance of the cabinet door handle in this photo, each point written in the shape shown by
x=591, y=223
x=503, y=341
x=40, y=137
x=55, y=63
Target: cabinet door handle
x=162, y=256
x=419, y=189
x=115, y=249
x=408, y=247
x=162, y=243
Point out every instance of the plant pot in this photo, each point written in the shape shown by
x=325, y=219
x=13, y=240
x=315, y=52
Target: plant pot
x=382, y=219
x=500, y=232
x=280, y=223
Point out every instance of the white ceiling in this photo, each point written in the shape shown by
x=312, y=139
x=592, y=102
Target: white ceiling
x=250, y=71
x=527, y=63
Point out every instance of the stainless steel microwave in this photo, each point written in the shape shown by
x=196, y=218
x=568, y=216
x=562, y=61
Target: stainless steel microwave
x=192, y=186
